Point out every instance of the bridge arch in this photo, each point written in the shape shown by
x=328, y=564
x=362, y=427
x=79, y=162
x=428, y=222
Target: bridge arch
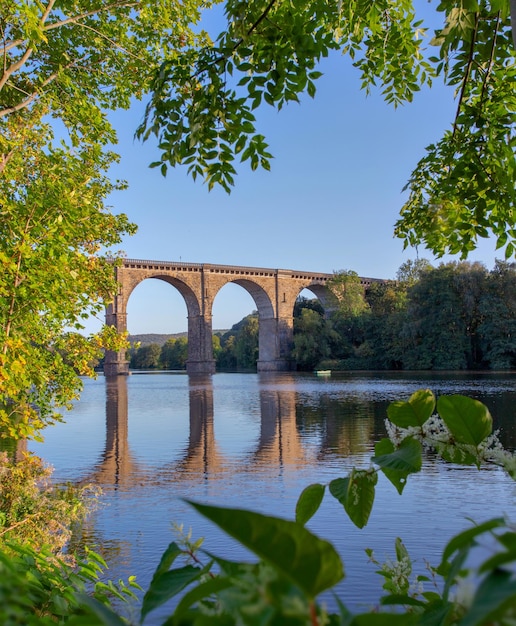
x=273, y=290
x=192, y=304
x=267, y=348
x=328, y=301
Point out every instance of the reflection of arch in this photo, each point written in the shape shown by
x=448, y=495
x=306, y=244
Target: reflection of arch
x=273, y=290
x=116, y=466
x=280, y=443
x=201, y=455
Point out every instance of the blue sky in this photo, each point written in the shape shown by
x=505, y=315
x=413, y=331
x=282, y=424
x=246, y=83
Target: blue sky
x=329, y=203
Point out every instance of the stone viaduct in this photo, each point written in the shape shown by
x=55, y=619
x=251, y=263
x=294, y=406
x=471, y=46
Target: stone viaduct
x=274, y=292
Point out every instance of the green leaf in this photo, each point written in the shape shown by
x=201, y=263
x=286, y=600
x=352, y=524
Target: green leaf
x=401, y=599
x=309, y=502
x=396, y=477
x=498, y=560
x=167, y=558
x=402, y=461
x=309, y=562
x=201, y=591
x=385, y=619
x=496, y=593
x=401, y=550
x=467, y=538
x=468, y=420
x=104, y=614
x=415, y=411
x=356, y=494
x=458, y=455
x=167, y=585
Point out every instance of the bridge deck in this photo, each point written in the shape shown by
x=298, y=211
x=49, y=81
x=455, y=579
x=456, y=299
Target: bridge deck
x=181, y=266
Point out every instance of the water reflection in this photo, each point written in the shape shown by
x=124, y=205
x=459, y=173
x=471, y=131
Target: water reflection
x=117, y=466
x=280, y=440
x=297, y=428
x=255, y=441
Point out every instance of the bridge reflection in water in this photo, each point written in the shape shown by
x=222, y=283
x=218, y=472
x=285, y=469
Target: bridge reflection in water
x=279, y=442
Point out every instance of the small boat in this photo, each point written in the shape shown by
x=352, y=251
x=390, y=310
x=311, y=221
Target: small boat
x=323, y=372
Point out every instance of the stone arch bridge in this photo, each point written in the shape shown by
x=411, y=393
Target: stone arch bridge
x=274, y=292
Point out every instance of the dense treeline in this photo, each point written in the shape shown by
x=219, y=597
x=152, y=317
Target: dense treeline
x=455, y=316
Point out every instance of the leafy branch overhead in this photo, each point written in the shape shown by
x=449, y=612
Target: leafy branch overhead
x=203, y=103
x=65, y=64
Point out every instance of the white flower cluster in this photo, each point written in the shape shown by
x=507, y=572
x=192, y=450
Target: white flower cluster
x=398, y=573
x=434, y=435
x=494, y=452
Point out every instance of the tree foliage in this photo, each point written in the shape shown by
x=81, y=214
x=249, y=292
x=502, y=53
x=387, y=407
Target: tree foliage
x=238, y=348
x=53, y=223
x=349, y=293
x=464, y=188
x=454, y=316
x=65, y=64
x=36, y=511
x=174, y=354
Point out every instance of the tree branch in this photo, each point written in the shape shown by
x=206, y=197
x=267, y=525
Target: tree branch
x=491, y=58
x=238, y=43
x=15, y=66
x=467, y=73
x=111, y=41
x=21, y=62
x=513, y=22
x=25, y=103
x=73, y=20
x=4, y=160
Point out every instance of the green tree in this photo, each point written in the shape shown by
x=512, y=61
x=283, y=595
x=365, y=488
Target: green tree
x=463, y=189
x=53, y=223
x=216, y=345
x=174, y=354
x=443, y=317
x=146, y=357
x=349, y=293
x=497, y=330
x=387, y=303
x=246, y=343
x=64, y=65
x=238, y=348
x=410, y=271
x=312, y=339
x=226, y=357
x=305, y=303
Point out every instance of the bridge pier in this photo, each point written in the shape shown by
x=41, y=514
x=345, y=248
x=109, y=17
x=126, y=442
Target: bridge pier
x=116, y=363
x=275, y=343
x=200, y=345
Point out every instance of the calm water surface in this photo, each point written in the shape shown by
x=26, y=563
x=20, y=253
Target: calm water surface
x=255, y=441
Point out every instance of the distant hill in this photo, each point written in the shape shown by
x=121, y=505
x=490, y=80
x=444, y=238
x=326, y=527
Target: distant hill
x=147, y=339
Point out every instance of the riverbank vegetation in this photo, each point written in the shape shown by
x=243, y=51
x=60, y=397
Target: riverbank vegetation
x=456, y=316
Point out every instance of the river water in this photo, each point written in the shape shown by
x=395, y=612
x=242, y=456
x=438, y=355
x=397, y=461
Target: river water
x=255, y=441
